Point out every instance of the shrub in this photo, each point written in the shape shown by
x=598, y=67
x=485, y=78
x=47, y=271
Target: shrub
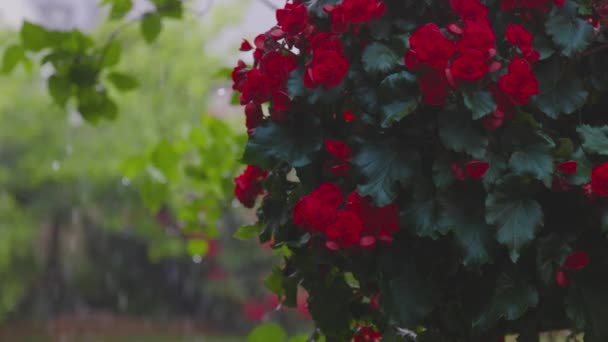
x=436, y=166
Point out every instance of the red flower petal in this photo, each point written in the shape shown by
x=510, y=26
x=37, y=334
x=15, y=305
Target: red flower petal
x=562, y=279
x=246, y=46
x=476, y=169
x=332, y=245
x=576, y=261
x=367, y=242
x=568, y=167
x=348, y=116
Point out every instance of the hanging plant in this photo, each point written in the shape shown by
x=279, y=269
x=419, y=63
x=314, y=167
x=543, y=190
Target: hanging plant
x=435, y=168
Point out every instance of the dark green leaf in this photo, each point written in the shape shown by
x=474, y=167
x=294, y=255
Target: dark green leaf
x=120, y=8
x=595, y=139
x=384, y=168
x=534, y=161
x=394, y=112
x=34, y=37
x=474, y=239
x=267, y=332
x=122, y=81
x=443, y=176
x=424, y=218
x=458, y=134
x=295, y=83
x=274, y=281
x=379, y=59
x=511, y=300
x=60, y=89
x=480, y=102
x=293, y=144
x=570, y=32
x=165, y=158
x=398, y=80
x=12, y=56
x=552, y=251
x=583, y=169
x=247, y=232
x=407, y=296
x=516, y=218
x=151, y=26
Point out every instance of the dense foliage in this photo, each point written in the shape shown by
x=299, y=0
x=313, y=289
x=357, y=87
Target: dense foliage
x=434, y=167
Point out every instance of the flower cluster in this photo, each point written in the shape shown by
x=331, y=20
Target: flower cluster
x=529, y=5
x=354, y=12
x=248, y=186
x=353, y=223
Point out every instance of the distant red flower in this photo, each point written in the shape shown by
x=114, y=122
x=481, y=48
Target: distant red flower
x=599, y=180
x=302, y=304
x=367, y=334
x=476, y=168
x=353, y=12
x=327, y=68
x=254, y=310
x=248, y=186
x=348, y=116
x=293, y=18
x=569, y=167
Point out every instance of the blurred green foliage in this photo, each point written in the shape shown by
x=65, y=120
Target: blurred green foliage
x=163, y=151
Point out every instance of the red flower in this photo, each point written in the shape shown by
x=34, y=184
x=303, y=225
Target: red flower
x=431, y=46
x=568, y=167
x=248, y=185
x=479, y=37
x=327, y=68
x=255, y=87
x=238, y=75
x=476, y=169
x=576, y=261
x=367, y=334
x=246, y=46
x=253, y=116
x=517, y=35
x=346, y=230
x=469, y=66
x=469, y=10
x=254, y=310
x=293, y=18
x=599, y=180
x=348, y=116
x=434, y=86
x=318, y=209
x=326, y=41
x=338, y=149
x=379, y=222
x=339, y=23
x=280, y=105
x=362, y=11
x=276, y=67
x=458, y=171
x=562, y=279
x=519, y=83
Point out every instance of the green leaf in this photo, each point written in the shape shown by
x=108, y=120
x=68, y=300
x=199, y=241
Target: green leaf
x=12, y=56
x=511, y=300
x=295, y=83
x=268, y=332
x=564, y=97
x=379, y=59
x=595, y=139
x=443, y=176
x=552, y=251
x=599, y=70
x=384, y=168
x=111, y=54
x=122, y=81
x=60, y=89
x=274, y=282
x=247, y=232
x=535, y=161
x=151, y=26
x=165, y=158
x=397, y=80
x=272, y=142
x=120, y=8
x=474, y=239
x=407, y=296
x=394, y=112
x=424, y=217
x=458, y=134
x=570, y=33
x=587, y=303
x=480, y=102
x=197, y=247
x=94, y=104
x=516, y=218
x=34, y=37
